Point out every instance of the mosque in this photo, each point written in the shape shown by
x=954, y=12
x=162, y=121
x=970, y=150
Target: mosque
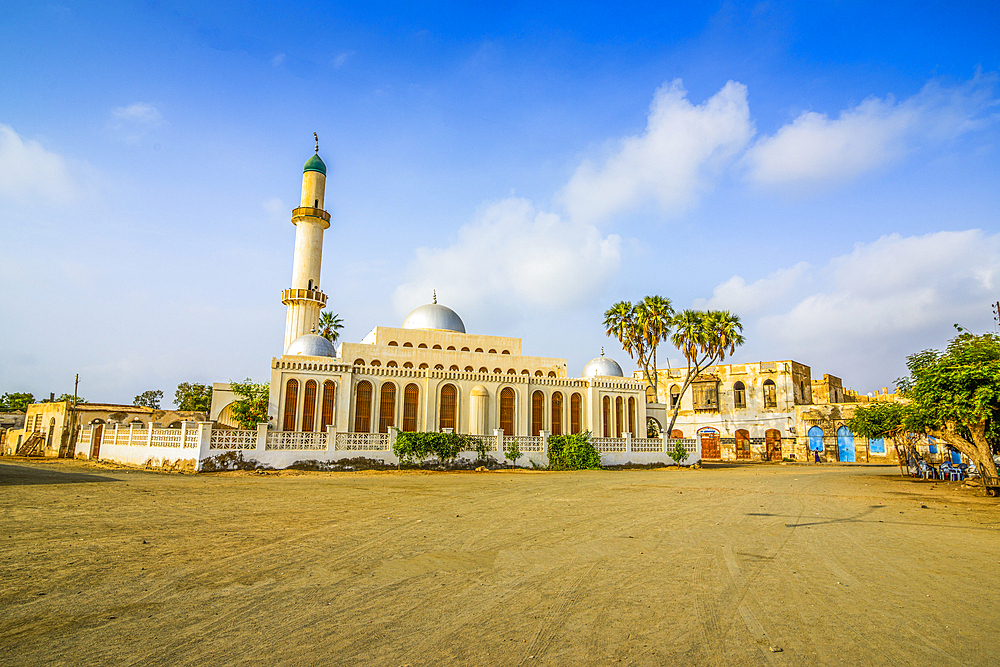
x=428, y=374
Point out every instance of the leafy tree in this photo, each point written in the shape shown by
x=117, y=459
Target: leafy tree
x=884, y=420
x=69, y=398
x=573, y=452
x=149, y=399
x=330, y=325
x=652, y=428
x=704, y=338
x=194, y=397
x=16, y=401
x=955, y=395
x=250, y=408
x=678, y=453
x=512, y=451
x=640, y=328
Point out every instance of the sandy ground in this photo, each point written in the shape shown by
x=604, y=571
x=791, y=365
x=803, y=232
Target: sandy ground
x=720, y=566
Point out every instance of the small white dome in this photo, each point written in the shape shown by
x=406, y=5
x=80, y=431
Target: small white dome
x=602, y=367
x=311, y=345
x=434, y=316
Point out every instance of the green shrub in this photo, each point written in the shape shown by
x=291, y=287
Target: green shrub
x=512, y=451
x=573, y=452
x=410, y=447
x=678, y=453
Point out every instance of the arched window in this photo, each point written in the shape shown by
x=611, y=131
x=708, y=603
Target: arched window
x=422, y=367
x=538, y=374
x=484, y=370
x=451, y=347
x=326, y=414
x=631, y=415
x=552, y=374
x=291, y=404
x=407, y=364
x=363, y=407
x=675, y=396
x=422, y=346
x=438, y=367
x=537, y=412
x=770, y=397
x=387, y=408
x=574, y=413
x=465, y=349
x=739, y=395
x=407, y=344
x=393, y=343
x=469, y=369
x=619, y=409
x=309, y=406
x=525, y=372
x=359, y=362
x=479, y=349
x=493, y=351
x=453, y=367
x=511, y=371
x=650, y=395
x=436, y=347
x=677, y=433
x=505, y=352
x=410, y=396
x=497, y=370
x=376, y=362
x=507, y=410
x=449, y=401
x=391, y=364
x=557, y=409
x=606, y=414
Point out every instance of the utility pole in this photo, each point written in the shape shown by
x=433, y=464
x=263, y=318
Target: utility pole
x=71, y=449
x=996, y=313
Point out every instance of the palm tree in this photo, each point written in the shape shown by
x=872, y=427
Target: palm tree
x=654, y=319
x=330, y=325
x=704, y=338
x=619, y=321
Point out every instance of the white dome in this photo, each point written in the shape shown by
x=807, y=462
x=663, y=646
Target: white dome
x=434, y=316
x=311, y=345
x=602, y=367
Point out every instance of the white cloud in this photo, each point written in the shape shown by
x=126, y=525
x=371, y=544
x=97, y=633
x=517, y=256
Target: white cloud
x=31, y=174
x=513, y=258
x=858, y=316
x=339, y=61
x=879, y=131
x=669, y=163
x=133, y=122
x=747, y=299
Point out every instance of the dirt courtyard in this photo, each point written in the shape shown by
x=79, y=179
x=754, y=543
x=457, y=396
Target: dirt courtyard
x=747, y=565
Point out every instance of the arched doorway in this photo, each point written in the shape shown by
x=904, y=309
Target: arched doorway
x=845, y=445
x=449, y=406
x=677, y=433
x=742, y=445
x=816, y=441
x=772, y=439
x=710, y=448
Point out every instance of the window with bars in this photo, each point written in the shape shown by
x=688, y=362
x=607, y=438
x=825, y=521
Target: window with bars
x=410, y=396
x=507, y=411
x=537, y=412
x=675, y=396
x=606, y=417
x=291, y=404
x=326, y=414
x=387, y=407
x=631, y=416
x=705, y=395
x=739, y=395
x=619, y=416
x=770, y=394
x=309, y=406
x=363, y=407
x=449, y=400
x=574, y=413
x=557, y=409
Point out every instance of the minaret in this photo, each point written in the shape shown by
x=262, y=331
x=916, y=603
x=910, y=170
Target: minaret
x=304, y=300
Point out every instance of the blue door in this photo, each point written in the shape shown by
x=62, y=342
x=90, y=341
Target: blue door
x=845, y=445
x=816, y=439
x=876, y=446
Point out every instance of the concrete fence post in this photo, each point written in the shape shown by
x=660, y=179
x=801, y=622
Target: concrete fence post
x=261, y=438
x=331, y=438
x=498, y=434
x=628, y=442
x=204, y=443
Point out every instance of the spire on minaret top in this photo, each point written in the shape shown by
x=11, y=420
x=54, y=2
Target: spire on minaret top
x=316, y=137
x=435, y=296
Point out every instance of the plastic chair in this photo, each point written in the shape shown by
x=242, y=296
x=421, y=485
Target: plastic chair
x=972, y=471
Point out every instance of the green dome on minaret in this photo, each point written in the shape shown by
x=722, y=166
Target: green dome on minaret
x=315, y=164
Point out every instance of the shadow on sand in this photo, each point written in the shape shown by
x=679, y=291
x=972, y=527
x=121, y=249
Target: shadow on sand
x=15, y=475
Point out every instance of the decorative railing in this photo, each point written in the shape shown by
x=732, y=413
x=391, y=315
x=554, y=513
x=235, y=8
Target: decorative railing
x=362, y=442
x=166, y=437
x=84, y=437
x=137, y=437
x=647, y=444
x=490, y=441
x=232, y=440
x=191, y=438
x=296, y=440
x=608, y=444
x=525, y=443
x=690, y=444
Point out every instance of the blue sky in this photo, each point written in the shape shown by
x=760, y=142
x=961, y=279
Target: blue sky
x=829, y=171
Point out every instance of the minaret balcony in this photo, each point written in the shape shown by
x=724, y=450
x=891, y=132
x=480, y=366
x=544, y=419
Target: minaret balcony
x=292, y=295
x=306, y=212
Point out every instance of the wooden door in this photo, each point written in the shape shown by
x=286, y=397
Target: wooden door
x=710, y=448
x=95, y=441
x=773, y=440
